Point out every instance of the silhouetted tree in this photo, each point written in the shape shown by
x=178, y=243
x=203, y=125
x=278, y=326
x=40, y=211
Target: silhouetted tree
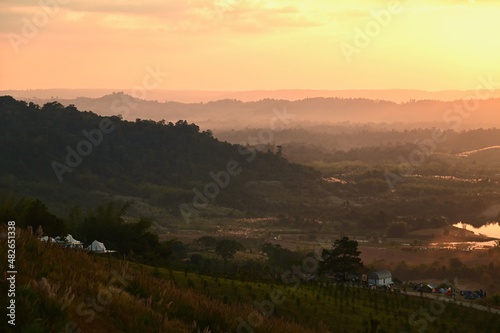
x=227, y=248
x=397, y=229
x=343, y=258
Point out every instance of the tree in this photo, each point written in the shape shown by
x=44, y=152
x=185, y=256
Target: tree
x=455, y=264
x=31, y=212
x=227, y=248
x=343, y=258
x=176, y=248
x=36, y=213
x=205, y=243
x=196, y=259
x=107, y=223
x=397, y=229
x=280, y=257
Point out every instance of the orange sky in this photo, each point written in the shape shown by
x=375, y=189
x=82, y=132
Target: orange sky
x=249, y=44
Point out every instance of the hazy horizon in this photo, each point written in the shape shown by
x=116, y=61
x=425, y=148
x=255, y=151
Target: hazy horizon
x=204, y=96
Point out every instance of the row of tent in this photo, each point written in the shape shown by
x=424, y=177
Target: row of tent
x=70, y=242
x=473, y=294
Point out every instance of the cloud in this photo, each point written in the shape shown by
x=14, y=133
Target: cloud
x=250, y=16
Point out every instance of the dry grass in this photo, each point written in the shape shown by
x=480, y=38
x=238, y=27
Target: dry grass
x=56, y=287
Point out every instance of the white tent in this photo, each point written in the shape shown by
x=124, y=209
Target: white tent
x=96, y=247
x=47, y=239
x=69, y=239
x=72, y=243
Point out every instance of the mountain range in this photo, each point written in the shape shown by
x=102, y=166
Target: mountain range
x=236, y=114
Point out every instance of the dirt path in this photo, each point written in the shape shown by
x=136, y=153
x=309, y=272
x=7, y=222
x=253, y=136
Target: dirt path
x=454, y=301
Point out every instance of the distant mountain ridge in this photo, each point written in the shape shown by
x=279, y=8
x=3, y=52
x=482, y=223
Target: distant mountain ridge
x=203, y=96
x=235, y=114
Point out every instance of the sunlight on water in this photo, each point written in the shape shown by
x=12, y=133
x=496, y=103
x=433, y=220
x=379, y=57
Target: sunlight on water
x=491, y=230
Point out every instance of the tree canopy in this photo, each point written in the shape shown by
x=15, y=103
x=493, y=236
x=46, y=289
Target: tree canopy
x=61, y=154
x=31, y=212
x=227, y=248
x=342, y=258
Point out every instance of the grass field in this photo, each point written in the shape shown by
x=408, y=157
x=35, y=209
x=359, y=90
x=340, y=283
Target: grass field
x=56, y=288
x=318, y=305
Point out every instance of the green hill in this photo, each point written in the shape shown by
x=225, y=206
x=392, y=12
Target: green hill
x=64, y=157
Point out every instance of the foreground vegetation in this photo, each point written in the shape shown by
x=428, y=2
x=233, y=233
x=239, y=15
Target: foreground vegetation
x=66, y=290
x=104, y=294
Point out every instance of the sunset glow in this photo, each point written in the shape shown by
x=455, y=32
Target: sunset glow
x=249, y=44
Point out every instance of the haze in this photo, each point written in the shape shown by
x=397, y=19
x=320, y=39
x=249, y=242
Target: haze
x=307, y=166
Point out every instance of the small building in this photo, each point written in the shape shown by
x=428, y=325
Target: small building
x=379, y=279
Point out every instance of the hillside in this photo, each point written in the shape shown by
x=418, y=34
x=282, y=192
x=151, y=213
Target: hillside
x=102, y=294
x=108, y=295
x=67, y=157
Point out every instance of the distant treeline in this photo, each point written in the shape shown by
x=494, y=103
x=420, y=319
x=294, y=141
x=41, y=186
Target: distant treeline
x=367, y=142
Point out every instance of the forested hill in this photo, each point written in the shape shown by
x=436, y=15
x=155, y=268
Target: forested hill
x=61, y=154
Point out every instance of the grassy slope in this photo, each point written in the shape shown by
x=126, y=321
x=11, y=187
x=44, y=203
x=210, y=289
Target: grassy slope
x=148, y=304
x=170, y=301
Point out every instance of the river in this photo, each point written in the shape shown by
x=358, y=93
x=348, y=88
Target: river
x=490, y=230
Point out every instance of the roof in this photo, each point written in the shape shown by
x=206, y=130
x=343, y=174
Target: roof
x=70, y=239
x=380, y=275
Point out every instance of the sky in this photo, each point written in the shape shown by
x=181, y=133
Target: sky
x=235, y=45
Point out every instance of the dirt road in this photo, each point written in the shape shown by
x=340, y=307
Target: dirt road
x=446, y=299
